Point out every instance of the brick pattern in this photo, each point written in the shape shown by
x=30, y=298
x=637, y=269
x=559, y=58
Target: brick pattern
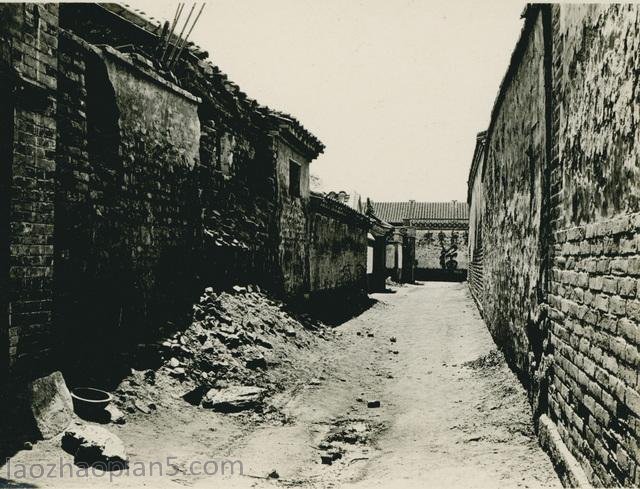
x=31, y=31
x=594, y=306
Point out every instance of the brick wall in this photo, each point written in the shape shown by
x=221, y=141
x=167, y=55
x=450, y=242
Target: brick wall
x=593, y=303
x=29, y=38
x=594, y=311
x=569, y=234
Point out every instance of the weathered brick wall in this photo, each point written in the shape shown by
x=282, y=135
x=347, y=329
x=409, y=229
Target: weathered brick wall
x=337, y=247
x=593, y=294
x=594, y=311
x=580, y=350
x=29, y=43
x=512, y=188
x=158, y=196
x=475, y=200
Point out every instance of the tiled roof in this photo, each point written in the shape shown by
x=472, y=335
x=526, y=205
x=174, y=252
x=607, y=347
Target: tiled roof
x=396, y=212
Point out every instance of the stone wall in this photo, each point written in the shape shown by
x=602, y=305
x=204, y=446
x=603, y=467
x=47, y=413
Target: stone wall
x=28, y=67
x=561, y=256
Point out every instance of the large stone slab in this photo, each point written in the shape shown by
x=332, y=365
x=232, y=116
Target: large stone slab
x=233, y=399
x=51, y=404
x=95, y=446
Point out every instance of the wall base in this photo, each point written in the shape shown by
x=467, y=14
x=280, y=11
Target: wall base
x=566, y=465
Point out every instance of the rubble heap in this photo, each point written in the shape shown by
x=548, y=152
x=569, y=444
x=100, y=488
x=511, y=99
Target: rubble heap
x=227, y=354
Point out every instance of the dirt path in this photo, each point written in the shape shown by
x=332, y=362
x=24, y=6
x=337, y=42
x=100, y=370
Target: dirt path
x=441, y=423
x=445, y=419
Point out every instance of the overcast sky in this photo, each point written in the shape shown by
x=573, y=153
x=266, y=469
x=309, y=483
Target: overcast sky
x=396, y=89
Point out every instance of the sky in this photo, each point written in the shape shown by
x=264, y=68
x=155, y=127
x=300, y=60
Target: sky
x=396, y=89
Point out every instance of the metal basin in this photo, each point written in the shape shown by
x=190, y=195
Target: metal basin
x=89, y=402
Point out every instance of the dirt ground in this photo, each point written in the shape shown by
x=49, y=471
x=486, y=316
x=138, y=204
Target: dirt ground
x=451, y=413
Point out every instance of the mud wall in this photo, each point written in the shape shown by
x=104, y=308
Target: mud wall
x=294, y=243
x=476, y=205
x=337, y=247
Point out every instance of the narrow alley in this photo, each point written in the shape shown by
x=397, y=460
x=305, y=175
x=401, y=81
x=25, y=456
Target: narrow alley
x=451, y=412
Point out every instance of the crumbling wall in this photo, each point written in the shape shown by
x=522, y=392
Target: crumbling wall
x=28, y=66
x=294, y=241
x=512, y=189
x=337, y=247
x=127, y=200
x=593, y=295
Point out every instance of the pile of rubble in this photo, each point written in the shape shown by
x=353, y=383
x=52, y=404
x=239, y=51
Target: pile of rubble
x=224, y=359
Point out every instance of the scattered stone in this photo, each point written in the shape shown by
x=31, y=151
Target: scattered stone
x=115, y=415
x=335, y=454
x=239, y=290
x=256, y=361
x=174, y=362
x=373, y=404
x=194, y=396
x=370, y=335
x=273, y=475
x=359, y=333
x=395, y=352
x=141, y=407
x=233, y=399
x=27, y=445
x=314, y=382
x=178, y=372
x=262, y=341
x=91, y=445
x=51, y=404
x=392, y=339
x=326, y=458
x=289, y=331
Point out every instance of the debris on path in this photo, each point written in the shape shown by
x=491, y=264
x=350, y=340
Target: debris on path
x=94, y=446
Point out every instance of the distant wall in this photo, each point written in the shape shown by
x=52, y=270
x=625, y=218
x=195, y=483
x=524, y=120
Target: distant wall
x=337, y=247
x=429, y=243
